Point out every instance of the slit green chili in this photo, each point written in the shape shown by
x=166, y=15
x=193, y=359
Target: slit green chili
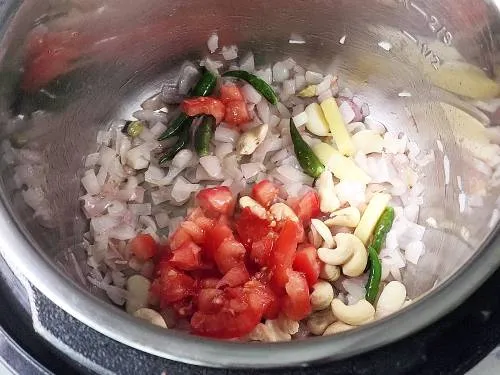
x=305, y=155
x=203, y=136
x=258, y=84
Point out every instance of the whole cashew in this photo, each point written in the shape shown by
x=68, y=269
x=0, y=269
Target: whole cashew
x=337, y=327
x=138, y=293
x=360, y=313
x=346, y=217
x=319, y=321
x=254, y=206
x=280, y=211
x=329, y=272
x=357, y=264
x=391, y=299
x=322, y=295
x=347, y=245
x=324, y=232
x=151, y=316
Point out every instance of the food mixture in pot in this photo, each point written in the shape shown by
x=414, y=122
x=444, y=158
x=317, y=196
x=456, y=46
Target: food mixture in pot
x=253, y=204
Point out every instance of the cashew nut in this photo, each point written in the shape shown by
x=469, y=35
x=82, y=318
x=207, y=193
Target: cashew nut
x=328, y=199
x=314, y=238
x=269, y=332
x=280, y=211
x=138, y=293
x=329, y=272
x=337, y=327
x=322, y=295
x=151, y=316
x=335, y=257
x=324, y=232
x=391, y=299
x=319, y=321
x=254, y=206
x=360, y=313
x=251, y=139
x=346, y=217
x=357, y=264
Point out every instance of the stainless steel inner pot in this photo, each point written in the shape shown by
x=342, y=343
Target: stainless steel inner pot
x=422, y=65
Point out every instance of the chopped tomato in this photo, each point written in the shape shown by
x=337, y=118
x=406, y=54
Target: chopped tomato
x=215, y=237
x=306, y=261
x=236, y=112
x=178, y=238
x=262, y=298
x=184, y=308
x=144, y=246
x=296, y=304
x=187, y=257
x=235, y=318
x=173, y=285
x=229, y=92
x=282, y=256
x=236, y=276
x=262, y=249
x=204, y=106
x=199, y=218
x=217, y=200
x=308, y=207
x=210, y=300
x=209, y=282
x=196, y=233
x=251, y=228
x=265, y=192
x=229, y=254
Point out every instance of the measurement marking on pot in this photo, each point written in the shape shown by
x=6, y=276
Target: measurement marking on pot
x=432, y=22
x=425, y=50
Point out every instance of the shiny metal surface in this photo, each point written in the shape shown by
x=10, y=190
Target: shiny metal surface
x=439, y=52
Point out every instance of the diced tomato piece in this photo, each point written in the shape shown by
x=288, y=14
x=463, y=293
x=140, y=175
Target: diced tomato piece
x=178, y=238
x=209, y=282
x=236, y=112
x=235, y=318
x=308, y=207
x=198, y=217
x=282, y=256
x=196, y=233
x=296, y=304
x=210, y=300
x=262, y=249
x=217, y=200
x=265, y=192
x=187, y=257
x=306, y=261
x=204, y=106
x=229, y=92
x=262, y=298
x=229, y=254
x=184, y=308
x=236, y=276
x=251, y=228
x=215, y=237
x=144, y=246
x=173, y=285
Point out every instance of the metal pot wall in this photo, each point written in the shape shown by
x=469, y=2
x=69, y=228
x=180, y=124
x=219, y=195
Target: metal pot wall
x=422, y=65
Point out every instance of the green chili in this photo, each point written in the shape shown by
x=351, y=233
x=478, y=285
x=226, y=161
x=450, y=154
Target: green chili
x=305, y=155
x=203, y=136
x=182, y=142
x=383, y=227
x=204, y=87
x=259, y=84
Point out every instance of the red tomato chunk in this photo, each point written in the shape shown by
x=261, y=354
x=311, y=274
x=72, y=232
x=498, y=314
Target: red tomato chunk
x=204, y=106
x=144, y=246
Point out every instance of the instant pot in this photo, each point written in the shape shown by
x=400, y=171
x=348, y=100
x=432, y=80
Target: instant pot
x=426, y=67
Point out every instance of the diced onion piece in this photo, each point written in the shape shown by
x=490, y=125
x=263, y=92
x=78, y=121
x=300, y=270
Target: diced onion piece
x=213, y=43
x=90, y=183
x=337, y=127
x=223, y=134
x=280, y=72
x=212, y=165
x=247, y=62
x=368, y=141
x=230, y=52
x=300, y=119
x=370, y=217
x=342, y=167
x=250, y=94
x=313, y=78
x=316, y=122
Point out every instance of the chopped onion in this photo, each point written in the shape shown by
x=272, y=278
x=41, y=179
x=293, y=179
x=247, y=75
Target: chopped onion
x=230, y=52
x=300, y=119
x=287, y=174
x=247, y=62
x=158, y=129
x=90, y=183
x=280, y=72
x=140, y=209
x=352, y=192
x=212, y=65
x=250, y=170
x=413, y=251
x=265, y=74
x=122, y=232
x=324, y=84
x=92, y=159
x=150, y=116
x=162, y=219
x=223, y=134
x=300, y=82
x=250, y=94
x=212, y=165
x=288, y=88
x=283, y=111
x=213, y=43
x=161, y=195
x=153, y=103
x=346, y=111
x=325, y=95
x=313, y=78
x=182, y=189
x=223, y=149
x=263, y=111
